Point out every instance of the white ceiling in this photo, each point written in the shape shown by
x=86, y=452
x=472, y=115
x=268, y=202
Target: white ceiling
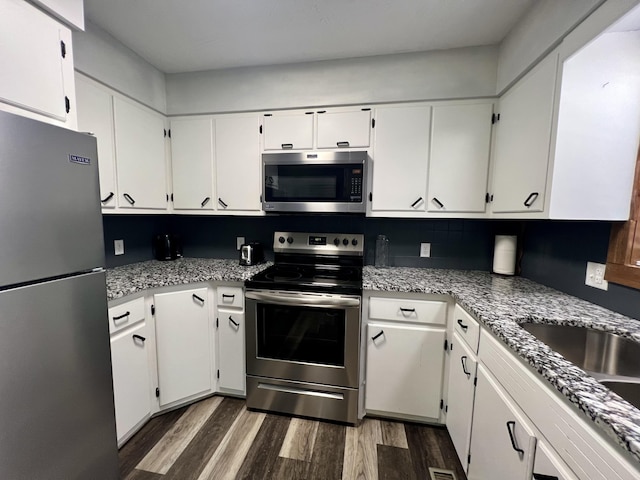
x=192, y=35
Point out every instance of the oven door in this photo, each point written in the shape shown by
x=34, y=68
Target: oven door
x=303, y=337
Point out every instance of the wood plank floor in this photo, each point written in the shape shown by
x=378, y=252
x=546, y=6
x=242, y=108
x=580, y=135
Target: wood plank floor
x=218, y=438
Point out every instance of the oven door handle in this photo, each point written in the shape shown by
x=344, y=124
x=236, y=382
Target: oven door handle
x=303, y=300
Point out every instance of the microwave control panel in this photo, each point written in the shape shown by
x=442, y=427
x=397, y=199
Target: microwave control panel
x=356, y=185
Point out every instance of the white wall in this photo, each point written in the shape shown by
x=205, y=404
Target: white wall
x=445, y=74
x=542, y=28
x=102, y=57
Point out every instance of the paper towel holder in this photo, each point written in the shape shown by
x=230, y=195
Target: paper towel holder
x=504, y=254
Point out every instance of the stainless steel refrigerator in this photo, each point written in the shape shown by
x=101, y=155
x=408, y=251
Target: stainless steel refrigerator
x=56, y=403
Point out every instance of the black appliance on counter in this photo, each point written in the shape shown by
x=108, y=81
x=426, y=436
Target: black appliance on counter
x=167, y=247
x=303, y=327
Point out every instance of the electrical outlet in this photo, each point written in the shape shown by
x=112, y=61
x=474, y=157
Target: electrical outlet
x=595, y=276
x=425, y=249
x=118, y=247
x=239, y=242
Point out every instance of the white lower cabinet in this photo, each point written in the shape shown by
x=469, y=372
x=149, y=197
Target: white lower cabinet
x=131, y=385
x=548, y=466
x=503, y=444
x=231, y=348
x=462, y=379
x=231, y=345
x=183, y=343
x=404, y=369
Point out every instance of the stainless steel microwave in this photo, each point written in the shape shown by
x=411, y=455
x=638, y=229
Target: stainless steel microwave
x=320, y=182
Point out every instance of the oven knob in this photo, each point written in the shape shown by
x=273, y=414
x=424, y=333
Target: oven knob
x=289, y=240
x=336, y=242
x=354, y=242
x=345, y=242
x=281, y=239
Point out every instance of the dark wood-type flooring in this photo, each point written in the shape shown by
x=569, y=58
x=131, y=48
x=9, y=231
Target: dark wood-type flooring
x=218, y=438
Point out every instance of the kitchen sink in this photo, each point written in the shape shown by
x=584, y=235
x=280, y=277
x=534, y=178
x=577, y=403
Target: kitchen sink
x=597, y=352
x=629, y=390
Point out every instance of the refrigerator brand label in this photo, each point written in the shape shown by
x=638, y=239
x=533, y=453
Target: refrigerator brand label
x=80, y=160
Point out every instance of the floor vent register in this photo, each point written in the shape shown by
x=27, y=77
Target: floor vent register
x=440, y=474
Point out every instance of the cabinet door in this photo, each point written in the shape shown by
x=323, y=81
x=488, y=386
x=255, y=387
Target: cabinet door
x=344, y=129
x=288, y=131
x=183, y=344
x=231, y=350
x=523, y=135
x=192, y=163
x=459, y=160
x=238, y=173
x=131, y=387
x=462, y=374
x=499, y=429
x=404, y=369
x=30, y=48
x=95, y=115
x=547, y=463
x=401, y=154
x=140, y=156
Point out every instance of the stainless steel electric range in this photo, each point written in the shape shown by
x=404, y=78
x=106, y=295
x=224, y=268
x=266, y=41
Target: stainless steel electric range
x=303, y=327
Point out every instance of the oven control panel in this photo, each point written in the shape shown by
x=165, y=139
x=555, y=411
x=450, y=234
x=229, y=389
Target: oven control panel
x=319, y=243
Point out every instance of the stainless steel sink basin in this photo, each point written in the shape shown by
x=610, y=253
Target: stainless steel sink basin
x=630, y=391
x=592, y=350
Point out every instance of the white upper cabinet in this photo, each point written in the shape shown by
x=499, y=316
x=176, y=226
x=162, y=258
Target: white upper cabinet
x=95, y=115
x=401, y=155
x=523, y=137
x=140, y=156
x=192, y=163
x=598, y=130
x=36, y=79
x=459, y=160
x=344, y=129
x=287, y=131
x=237, y=156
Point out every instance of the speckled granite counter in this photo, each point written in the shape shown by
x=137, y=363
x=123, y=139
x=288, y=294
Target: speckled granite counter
x=123, y=281
x=501, y=303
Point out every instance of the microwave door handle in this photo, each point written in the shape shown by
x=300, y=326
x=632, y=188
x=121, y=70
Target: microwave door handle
x=302, y=300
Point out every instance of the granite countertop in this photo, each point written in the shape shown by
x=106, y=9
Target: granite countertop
x=136, y=277
x=502, y=303
x=499, y=303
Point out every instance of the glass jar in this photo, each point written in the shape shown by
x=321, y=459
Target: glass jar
x=382, y=251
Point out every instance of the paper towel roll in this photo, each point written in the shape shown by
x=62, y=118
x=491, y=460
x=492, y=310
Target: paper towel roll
x=504, y=255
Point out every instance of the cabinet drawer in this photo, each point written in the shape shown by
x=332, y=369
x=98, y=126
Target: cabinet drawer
x=126, y=314
x=230, y=297
x=408, y=310
x=467, y=327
